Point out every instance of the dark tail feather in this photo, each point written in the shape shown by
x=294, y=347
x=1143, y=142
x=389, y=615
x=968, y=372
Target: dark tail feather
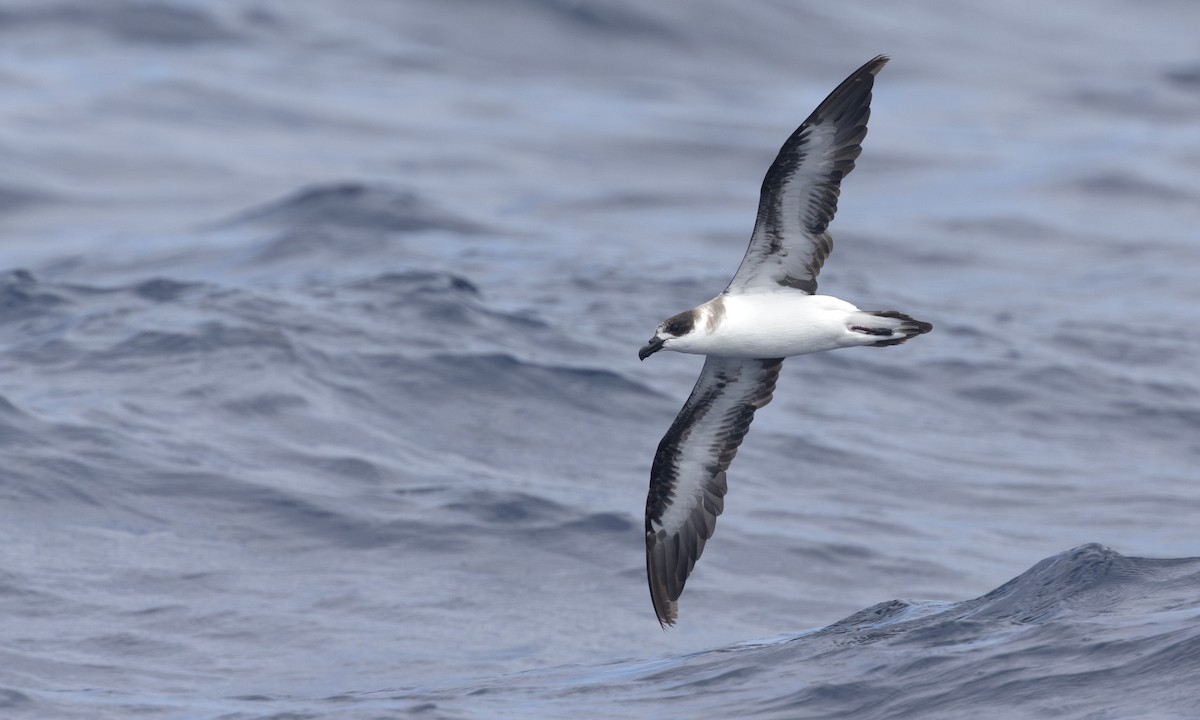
x=906, y=328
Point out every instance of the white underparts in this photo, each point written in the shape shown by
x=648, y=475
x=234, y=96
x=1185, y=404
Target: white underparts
x=779, y=324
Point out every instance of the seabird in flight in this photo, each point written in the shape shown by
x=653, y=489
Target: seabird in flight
x=769, y=311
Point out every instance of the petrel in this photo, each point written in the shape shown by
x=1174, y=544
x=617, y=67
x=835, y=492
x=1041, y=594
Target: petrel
x=769, y=311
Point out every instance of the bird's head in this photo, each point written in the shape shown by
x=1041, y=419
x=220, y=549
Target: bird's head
x=669, y=333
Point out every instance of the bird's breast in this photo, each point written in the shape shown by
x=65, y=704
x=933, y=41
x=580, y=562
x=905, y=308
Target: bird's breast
x=777, y=325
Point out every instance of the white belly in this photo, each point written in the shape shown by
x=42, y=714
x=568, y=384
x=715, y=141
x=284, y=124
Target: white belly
x=771, y=325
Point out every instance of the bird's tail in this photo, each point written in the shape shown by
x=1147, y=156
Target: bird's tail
x=889, y=326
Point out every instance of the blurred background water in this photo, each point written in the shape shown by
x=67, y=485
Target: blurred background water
x=319, y=393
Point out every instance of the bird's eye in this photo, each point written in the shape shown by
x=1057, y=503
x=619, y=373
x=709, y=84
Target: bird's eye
x=678, y=325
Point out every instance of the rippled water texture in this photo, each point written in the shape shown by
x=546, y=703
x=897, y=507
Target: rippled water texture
x=319, y=391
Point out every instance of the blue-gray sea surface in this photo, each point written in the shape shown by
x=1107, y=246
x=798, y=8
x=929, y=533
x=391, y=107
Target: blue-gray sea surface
x=319, y=390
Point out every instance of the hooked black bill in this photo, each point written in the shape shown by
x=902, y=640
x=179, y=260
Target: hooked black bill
x=651, y=347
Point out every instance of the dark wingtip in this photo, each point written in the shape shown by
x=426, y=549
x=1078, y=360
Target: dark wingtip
x=849, y=92
x=667, y=614
x=665, y=609
x=875, y=64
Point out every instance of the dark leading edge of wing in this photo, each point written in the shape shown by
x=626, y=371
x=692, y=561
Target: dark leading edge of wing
x=687, y=480
x=800, y=191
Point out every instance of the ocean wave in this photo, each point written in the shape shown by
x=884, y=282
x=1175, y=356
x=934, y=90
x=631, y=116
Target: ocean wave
x=153, y=23
x=354, y=206
x=318, y=382
x=1083, y=632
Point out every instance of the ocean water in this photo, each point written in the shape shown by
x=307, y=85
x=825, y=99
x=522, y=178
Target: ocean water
x=319, y=390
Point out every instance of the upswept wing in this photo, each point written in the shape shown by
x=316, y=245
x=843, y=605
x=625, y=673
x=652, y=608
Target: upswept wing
x=687, y=480
x=800, y=191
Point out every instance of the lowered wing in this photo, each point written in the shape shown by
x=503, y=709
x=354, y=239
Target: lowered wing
x=687, y=480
